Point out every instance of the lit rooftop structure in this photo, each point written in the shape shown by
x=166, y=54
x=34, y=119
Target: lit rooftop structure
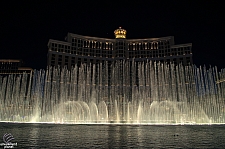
x=120, y=33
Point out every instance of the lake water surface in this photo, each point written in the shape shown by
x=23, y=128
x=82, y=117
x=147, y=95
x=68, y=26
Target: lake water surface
x=114, y=136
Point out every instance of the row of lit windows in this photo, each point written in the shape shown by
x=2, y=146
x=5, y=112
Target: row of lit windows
x=143, y=46
x=87, y=42
x=60, y=47
x=142, y=53
x=68, y=61
x=104, y=53
x=9, y=65
x=92, y=44
x=131, y=55
x=83, y=43
x=109, y=46
x=135, y=54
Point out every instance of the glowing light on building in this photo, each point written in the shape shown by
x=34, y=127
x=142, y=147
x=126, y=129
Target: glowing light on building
x=120, y=33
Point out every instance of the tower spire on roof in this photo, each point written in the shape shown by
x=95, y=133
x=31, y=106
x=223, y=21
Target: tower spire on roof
x=120, y=33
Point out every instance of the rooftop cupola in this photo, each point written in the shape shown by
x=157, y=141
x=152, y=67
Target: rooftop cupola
x=120, y=33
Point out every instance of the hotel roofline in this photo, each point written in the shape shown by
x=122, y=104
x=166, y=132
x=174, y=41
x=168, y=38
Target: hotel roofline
x=141, y=39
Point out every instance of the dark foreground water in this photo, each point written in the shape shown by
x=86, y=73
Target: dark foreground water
x=113, y=136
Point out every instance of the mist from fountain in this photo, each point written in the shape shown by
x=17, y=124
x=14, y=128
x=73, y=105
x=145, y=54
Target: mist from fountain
x=124, y=92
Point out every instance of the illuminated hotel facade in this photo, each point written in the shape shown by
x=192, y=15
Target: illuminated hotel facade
x=13, y=66
x=84, y=49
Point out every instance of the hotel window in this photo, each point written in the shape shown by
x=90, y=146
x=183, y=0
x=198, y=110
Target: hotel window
x=188, y=59
x=187, y=50
x=97, y=53
x=62, y=49
x=79, y=60
x=169, y=52
x=75, y=40
x=109, y=53
x=66, y=60
x=91, y=52
x=59, y=59
x=82, y=44
x=85, y=43
x=100, y=45
x=136, y=53
x=146, y=46
x=68, y=49
x=137, y=47
x=160, y=45
x=166, y=52
x=152, y=45
x=121, y=53
x=92, y=45
x=103, y=46
x=149, y=53
x=56, y=47
x=182, y=52
x=96, y=45
x=134, y=46
x=110, y=46
x=105, y=53
x=53, y=56
x=53, y=59
x=73, y=61
x=53, y=62
x=52, y=47
x=85, y=60
x=106, y=45
x=154, y=53
x=79, y=51
x=172, y=52
x=73, y=51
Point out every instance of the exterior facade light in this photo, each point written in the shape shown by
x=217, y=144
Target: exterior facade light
x=120, y=33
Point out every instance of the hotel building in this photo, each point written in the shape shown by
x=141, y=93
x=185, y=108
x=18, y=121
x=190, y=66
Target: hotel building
x=13, y=66
x=85, y=49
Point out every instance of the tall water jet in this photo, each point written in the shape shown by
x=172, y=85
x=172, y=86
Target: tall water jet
x=123, y=92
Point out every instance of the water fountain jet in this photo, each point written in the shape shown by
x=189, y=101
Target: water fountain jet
x=124, y=92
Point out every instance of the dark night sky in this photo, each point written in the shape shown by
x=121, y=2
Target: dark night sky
x=25, y=28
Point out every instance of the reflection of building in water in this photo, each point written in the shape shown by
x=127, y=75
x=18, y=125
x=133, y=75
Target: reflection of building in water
x=84, y=49
x=11, y=66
